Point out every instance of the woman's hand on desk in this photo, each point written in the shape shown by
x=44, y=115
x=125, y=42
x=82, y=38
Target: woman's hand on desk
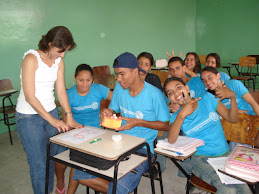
x=60, y=125
x=131, y=122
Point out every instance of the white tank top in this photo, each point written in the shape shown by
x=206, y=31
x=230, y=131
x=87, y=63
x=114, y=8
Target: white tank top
x=45, y=78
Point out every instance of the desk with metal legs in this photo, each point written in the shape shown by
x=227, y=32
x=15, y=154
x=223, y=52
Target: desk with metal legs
x=107, y=149
x=251, y=185
x=192, y=180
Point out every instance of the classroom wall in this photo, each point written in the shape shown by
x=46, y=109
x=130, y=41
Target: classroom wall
x=229, y=28
x=102, y=30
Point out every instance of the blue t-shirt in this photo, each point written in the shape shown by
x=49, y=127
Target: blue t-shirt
x=148, y=105
x=240, y=90
x=224, y=76
x=204, y=123
x=196, y=86
x=86, y=109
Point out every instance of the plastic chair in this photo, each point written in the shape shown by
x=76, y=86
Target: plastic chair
x=8, y=109
x=244, y=131
x=245, y=70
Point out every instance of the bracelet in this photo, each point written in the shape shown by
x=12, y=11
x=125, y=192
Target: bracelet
x=68, y=113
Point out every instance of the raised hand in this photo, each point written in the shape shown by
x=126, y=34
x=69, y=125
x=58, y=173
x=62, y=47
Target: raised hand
x=223, y=92
x=172, y=55
x=189, y=107
x=173, y=107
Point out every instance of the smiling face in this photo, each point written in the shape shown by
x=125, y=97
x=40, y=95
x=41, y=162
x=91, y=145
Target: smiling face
x=176, y=69
x=190, y=62
x=211, y=80
x=83, y=80
x=211, y=62
x=126, y=76
x=144, y=63
x=175, y=91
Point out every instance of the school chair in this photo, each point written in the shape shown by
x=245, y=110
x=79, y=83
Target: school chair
x=101, y=70
x=156, y=170
x=244, y=131
x=8, y=107
x=202, y=58
x=257, y=64
x=245, y=69
x=163, y=75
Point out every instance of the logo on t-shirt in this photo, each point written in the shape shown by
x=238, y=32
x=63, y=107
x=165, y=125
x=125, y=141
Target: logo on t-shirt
x=94, y=106
x=212, y=117
x=137, y=114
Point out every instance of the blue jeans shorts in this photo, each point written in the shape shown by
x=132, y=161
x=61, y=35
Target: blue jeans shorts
x=34, y=133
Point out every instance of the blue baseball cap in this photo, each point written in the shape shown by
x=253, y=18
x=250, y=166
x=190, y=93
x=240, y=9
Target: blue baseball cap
x=127, y=60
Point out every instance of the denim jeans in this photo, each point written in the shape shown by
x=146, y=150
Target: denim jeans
x=127, y=183
x=199, y=166
x=34, y=133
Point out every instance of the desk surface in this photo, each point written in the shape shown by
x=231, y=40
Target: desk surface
x=169, y=154
x=123, y=168
x=105, y=148
x=7, y=92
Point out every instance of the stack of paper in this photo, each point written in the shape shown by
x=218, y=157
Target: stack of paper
x=184, y=145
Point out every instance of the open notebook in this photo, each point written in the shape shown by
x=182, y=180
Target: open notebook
x=183, y=146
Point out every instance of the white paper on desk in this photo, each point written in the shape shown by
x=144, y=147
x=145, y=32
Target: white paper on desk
x=80, y=135
x=219, y=163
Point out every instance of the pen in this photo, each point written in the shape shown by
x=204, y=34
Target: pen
x=95, y=140
x=184, y=98
x=180, y=154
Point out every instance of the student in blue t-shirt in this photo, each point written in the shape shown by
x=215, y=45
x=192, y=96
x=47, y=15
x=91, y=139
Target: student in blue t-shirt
x=193, y=64
x=199, y=118
x=146, y=62
x=143, y=110
x=245, y=102
x=84, y=99
x=177, y=68
x=213, y=60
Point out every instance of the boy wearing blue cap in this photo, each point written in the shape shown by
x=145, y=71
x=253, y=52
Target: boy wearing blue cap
x=143, y=110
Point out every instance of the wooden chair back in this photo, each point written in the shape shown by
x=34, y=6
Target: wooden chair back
x=101, y=70
x=247, y=61
x=244, y=131
x=108, y=80
x=202, y=59
x=5, y=84
x=163, y=75
x=255, y=56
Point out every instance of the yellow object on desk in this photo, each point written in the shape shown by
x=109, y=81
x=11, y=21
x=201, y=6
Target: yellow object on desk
x=112, y=122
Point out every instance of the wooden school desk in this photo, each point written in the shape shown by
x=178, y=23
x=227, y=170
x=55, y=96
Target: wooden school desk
x=105, y=148
x=192, y=180
x=250, y=184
